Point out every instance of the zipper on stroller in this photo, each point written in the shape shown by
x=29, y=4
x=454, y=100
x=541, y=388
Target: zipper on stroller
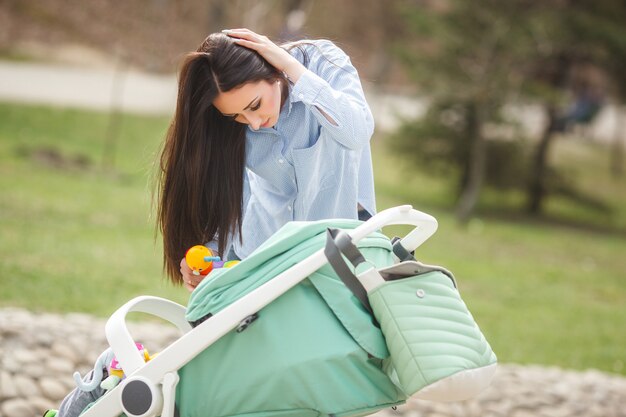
x=245, y=323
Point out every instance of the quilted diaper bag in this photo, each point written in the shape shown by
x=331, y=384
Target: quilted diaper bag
x=437, y=351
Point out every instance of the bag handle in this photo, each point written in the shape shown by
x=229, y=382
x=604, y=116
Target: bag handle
x=400, y=251
x=339, y=243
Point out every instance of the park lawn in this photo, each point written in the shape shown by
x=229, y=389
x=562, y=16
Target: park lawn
x=79, y=236
x=549, y=290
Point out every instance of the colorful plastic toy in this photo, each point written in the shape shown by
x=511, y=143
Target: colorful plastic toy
x=201, y=260
x=116, y=374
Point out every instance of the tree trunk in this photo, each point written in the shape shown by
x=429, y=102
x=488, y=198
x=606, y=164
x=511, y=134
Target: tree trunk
x=539, y=167
x=617, y=150
x=476, y=164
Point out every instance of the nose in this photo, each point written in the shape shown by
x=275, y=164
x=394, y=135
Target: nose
x=254, y=121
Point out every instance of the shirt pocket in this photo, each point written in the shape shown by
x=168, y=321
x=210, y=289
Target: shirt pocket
x=315, y=167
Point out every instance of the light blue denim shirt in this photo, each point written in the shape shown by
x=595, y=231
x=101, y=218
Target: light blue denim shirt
x=307, y=167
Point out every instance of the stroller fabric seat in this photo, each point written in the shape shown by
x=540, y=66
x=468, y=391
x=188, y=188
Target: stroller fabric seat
x=314, y=351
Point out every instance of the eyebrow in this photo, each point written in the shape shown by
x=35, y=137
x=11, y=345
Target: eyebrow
x=246, y=108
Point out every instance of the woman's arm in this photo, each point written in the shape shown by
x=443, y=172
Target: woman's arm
x=330, y=86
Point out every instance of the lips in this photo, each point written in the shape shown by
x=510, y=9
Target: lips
x=266, y=123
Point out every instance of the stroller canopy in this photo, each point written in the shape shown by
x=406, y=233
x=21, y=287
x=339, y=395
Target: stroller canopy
x=314, y=351
x=291, y=244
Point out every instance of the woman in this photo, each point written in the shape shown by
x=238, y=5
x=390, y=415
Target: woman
x=262, y=135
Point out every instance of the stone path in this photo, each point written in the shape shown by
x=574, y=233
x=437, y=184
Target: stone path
x=39, y=353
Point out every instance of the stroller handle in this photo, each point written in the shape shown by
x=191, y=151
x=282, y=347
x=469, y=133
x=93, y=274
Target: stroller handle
x=119, y=337
x=425, y=225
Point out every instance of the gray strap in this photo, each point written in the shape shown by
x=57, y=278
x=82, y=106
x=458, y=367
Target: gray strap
x=338, y=243
x=400, y=251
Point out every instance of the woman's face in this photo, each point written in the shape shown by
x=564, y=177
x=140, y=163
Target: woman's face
x=256, y=104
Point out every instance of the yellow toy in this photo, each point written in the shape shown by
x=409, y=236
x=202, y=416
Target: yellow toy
x=201, y=260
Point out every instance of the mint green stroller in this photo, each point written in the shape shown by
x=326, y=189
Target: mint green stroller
x=281, y=334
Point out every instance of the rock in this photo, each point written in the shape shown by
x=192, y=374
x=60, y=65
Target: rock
x=67, y=381
x=43, y=339
x=59, y=365
x=81, y=319
x=523, y=413
x=10, y=329
x=26, y=386
x=7, y=363
x=63, y=350
x=80, y=346
x=7, y=386
x=23, y=356
x=34, y=370
x=41, y=404
x=52, y=388
x=16, y=407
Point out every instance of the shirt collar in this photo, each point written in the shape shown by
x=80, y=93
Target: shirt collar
x=291, y=99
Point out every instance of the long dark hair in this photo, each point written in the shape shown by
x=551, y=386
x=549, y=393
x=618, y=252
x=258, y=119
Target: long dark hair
x=200, y=182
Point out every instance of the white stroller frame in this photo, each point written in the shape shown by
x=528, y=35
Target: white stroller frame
x=150, y=387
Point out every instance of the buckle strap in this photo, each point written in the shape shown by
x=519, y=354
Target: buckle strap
x=400, y=251
x=339, y=243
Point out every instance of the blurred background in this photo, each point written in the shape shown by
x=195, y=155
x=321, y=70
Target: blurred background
x=505, y=120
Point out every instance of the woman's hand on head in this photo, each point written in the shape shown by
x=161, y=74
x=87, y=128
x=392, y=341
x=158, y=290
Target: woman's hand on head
x=274, y=54
x=190, y=281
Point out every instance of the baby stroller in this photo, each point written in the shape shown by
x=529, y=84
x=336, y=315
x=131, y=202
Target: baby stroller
x=286, y=333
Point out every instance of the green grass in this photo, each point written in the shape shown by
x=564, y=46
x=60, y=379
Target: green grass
x=548, y=292
x=541, y=295
x=79, y=237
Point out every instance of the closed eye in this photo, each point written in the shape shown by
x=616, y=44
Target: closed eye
x=235, y=116
x=256, y=106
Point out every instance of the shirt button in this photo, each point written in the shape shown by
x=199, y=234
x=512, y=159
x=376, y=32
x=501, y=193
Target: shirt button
x=280, y=161
x=301, y=96
x=289, y=208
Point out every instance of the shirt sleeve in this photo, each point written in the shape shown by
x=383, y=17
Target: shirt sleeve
x=332, y=89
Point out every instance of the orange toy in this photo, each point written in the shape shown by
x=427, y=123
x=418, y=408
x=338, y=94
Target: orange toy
x=200, y=259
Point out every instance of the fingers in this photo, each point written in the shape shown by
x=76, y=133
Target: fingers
x=246, y=34
x=240, y=31
x=190, y=281
x=275, y=55
x=185, y=271
x=249, y=44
